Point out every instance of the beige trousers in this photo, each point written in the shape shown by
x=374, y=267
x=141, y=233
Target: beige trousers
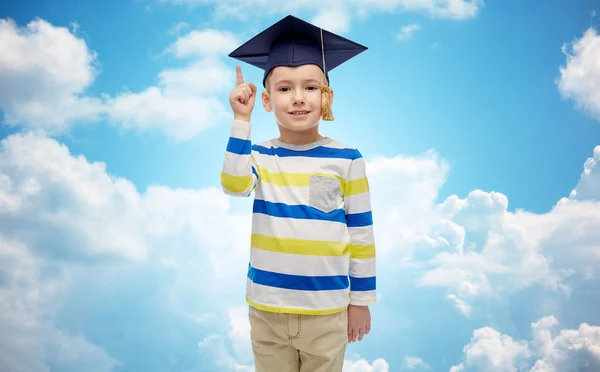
x=298, y=343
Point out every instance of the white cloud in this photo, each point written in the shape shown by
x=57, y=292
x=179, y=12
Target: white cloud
x=361, y=365
x=29, y=297
x=185, y=101
x=569, y=351
x=70, y=234
x=587, y=187
x=44, y=72
x=412, y=363
x=415, y=182
x=496, y=254
x=333, y=18
x=213, y=349
x=179, y=117
x=450, y=9
x=337, y=15
x=47, y=70
x=580, y=77
x=460, y=304
x=200, y=43
x=406, y=32
x=239, y=333
x=178, y=27
x=491, y=351
x=473, y=247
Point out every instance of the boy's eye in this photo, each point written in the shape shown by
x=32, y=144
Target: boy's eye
x=283, y=89
x=312, y=87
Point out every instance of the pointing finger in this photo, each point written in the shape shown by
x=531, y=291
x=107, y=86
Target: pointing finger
x=239, y=76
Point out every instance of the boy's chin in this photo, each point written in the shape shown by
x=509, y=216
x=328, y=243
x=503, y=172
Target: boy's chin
x=299, y=126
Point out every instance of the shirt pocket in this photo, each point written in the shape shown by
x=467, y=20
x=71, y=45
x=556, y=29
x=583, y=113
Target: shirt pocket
x=324, y=193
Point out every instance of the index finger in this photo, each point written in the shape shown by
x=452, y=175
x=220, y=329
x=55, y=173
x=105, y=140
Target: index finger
x=239, y=76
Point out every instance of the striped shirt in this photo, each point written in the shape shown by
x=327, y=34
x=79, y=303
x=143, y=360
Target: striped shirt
x=312, y=245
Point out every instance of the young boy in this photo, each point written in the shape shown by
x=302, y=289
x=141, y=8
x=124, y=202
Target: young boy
x=311, y=275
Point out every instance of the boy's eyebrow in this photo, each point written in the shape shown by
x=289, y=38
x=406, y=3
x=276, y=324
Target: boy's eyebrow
x=289, y=81
x=282, y=81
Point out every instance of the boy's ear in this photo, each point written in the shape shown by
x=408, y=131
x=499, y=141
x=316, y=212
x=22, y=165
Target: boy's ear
x=331, y=96
x=266, y=100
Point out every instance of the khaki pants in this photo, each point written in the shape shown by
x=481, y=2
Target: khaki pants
x=298, y=343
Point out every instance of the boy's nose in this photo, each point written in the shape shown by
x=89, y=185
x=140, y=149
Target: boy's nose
x=298, y=98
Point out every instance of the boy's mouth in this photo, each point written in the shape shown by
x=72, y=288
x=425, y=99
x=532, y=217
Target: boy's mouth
x=299, y=112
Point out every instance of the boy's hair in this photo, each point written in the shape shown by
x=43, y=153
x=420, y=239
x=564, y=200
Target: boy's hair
x=268, y=84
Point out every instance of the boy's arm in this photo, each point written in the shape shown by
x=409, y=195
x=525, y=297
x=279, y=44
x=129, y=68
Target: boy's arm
x=357, y=205
x=239, y=175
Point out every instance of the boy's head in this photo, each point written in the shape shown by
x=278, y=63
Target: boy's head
x=295, y=96
x=296, y=57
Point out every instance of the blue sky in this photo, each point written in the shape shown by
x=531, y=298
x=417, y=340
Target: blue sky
x=480, y=124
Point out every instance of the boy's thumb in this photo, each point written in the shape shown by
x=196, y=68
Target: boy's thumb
x=253, y=89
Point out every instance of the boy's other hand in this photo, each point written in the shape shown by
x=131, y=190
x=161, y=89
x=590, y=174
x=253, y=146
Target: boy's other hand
x=242, y=98
x=359, y=322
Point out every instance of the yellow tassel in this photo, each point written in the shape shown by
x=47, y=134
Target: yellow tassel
x=326, y=113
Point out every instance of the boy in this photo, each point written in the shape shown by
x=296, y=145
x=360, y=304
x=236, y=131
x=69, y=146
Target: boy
x=311, y=275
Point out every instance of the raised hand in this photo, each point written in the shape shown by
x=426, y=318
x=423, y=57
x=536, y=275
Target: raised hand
x=242, y=97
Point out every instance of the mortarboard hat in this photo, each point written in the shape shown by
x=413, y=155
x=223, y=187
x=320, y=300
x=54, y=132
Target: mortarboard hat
x=293, y=42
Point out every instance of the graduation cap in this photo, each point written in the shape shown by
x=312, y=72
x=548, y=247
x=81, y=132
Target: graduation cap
x=293, y=42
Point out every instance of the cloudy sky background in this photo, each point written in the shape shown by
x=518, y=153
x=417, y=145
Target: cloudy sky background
x=480, y=123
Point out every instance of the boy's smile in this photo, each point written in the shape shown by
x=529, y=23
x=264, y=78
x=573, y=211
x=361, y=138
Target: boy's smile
x=294, y=96
x=300, y=114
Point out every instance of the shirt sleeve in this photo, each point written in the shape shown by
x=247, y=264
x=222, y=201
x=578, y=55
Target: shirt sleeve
x=239, y=175
x=357, y=206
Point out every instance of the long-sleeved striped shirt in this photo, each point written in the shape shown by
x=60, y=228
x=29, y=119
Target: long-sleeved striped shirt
x=312, y=244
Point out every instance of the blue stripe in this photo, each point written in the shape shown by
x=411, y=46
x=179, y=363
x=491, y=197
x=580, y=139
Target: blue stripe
x=255, y=173
x=362, y=284
x=302, y=212
x=298, y=282
x=239, y=146
x=359, y=219
x=317, y=152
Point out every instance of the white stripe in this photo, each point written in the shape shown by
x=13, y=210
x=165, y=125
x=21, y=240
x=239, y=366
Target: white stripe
x=362, y=267
x=331, y=143
x=357, y=203
x=240, y=129
x=362, y=235
x=338, y=145
x=289, y=298
x=291, y=195
x=300, y=229
x=357, y=170
x=275, y=164
x=297, y=264
x=363, y=297
x=237, y=165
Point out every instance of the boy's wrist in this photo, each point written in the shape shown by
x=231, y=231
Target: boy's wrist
x=242, y=118
x=366, y=301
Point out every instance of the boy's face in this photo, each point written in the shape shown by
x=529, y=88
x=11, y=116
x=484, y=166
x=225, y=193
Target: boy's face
x=294, y=96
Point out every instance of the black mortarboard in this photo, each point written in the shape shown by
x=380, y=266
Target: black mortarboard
x=294, y=42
